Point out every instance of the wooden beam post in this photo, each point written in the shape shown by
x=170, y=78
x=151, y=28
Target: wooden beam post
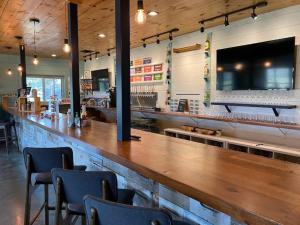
x=122, y=14
x=23, y=64
x=74, y=58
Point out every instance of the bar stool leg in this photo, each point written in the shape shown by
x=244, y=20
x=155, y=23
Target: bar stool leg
x=58, y=202
x=46, y=193
x=28, y=192
x=16, y=137
x=6, y=139
x=83, y=220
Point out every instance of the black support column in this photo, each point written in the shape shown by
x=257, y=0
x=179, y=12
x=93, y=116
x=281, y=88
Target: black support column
x=23, y=64
x=74, y=58
x=123, y=68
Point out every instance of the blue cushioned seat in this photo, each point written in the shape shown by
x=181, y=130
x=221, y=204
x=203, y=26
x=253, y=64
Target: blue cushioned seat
x=102, y=212
x=74, y=185
x=39, y=162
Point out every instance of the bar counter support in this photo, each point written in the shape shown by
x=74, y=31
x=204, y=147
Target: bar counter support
x=74, y=58
x=122, y=14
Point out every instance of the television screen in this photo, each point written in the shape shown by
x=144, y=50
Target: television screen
x=263, y=66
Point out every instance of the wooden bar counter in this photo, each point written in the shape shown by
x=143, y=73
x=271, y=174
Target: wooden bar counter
x=251, y=189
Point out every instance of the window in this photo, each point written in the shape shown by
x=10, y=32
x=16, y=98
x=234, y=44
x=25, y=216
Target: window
x=46, y=86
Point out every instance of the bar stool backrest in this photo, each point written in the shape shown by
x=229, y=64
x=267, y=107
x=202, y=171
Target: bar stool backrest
x=43, y=160
x=102, y=212
x=76, y=184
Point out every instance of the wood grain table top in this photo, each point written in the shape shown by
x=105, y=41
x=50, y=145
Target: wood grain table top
x=251, y=189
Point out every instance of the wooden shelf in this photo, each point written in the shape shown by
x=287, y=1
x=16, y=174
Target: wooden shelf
x=270, y=106
x=237, y=144
x=151, y=64
x=143, y=74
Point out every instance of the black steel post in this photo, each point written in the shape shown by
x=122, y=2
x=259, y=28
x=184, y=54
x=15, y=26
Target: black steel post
x=23, y=64
x=123, y=68
x=74, y=58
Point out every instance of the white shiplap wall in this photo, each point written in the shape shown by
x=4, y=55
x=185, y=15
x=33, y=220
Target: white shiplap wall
x=188, y=71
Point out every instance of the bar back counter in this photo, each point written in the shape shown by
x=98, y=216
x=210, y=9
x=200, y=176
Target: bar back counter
x=197, y=182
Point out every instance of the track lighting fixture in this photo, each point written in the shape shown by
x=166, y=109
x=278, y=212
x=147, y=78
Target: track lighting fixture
x=227, y=14
x=96, y=56
x=91, y=58
x=226, y=22
x=9, y=72
x=253, y=14
x=202, y=29
x=140, y=16
x=108, y=52
x=170, y=36
x=84, y=59
x=157, y=36
x=20, y=68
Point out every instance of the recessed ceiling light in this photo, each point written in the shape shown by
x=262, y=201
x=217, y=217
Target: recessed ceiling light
x=153, y=13
x=101, y=35
x=53, y=55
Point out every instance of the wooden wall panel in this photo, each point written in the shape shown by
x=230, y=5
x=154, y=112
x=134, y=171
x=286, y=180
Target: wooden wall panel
x=98, y=16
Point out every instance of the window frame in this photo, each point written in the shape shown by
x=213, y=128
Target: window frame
x=53, y=77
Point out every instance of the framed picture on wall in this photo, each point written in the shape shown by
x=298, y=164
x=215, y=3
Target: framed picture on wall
x=87, y=74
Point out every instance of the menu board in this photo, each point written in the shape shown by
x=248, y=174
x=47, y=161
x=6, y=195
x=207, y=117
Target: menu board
x=144, y=71
x=147, y=69
x=157, y=76
x=148, y=78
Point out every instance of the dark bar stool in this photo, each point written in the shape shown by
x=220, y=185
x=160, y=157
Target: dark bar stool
x=39, y=163
x=102, y=212
x=72, y=186
x=6, y=135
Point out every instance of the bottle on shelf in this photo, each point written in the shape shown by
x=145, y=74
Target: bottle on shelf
x=69, y=118
x=77, y=120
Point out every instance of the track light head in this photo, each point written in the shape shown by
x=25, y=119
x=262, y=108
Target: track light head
x=144, y=44
x=170, y=36
x=253, y=14
x=157, y=40
x=84, y=59
x=108, y=52
x=226, y=23
x=202, y=29
x=91, y=58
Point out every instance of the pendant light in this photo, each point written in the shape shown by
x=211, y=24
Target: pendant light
x=20, y=68
x=140, y=16
x=67, y=47
x=35, y=60
x=9, y=72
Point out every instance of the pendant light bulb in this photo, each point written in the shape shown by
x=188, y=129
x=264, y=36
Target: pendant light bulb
x=20, y=68
x=35, y=60
x=9, y=72
x=140, y=16
x=66, y=47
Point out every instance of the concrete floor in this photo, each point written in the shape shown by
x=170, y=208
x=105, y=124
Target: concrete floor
x=12, y=190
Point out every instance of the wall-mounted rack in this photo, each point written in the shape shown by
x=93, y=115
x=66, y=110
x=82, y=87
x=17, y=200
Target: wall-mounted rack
x=270, y=106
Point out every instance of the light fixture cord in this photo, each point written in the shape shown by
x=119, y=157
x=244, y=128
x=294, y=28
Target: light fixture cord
x=66, y=23
x=34, y=38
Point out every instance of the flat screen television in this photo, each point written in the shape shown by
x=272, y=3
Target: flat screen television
x=262, y=66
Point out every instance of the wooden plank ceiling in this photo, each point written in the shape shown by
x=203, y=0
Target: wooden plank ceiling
x=97, y=16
